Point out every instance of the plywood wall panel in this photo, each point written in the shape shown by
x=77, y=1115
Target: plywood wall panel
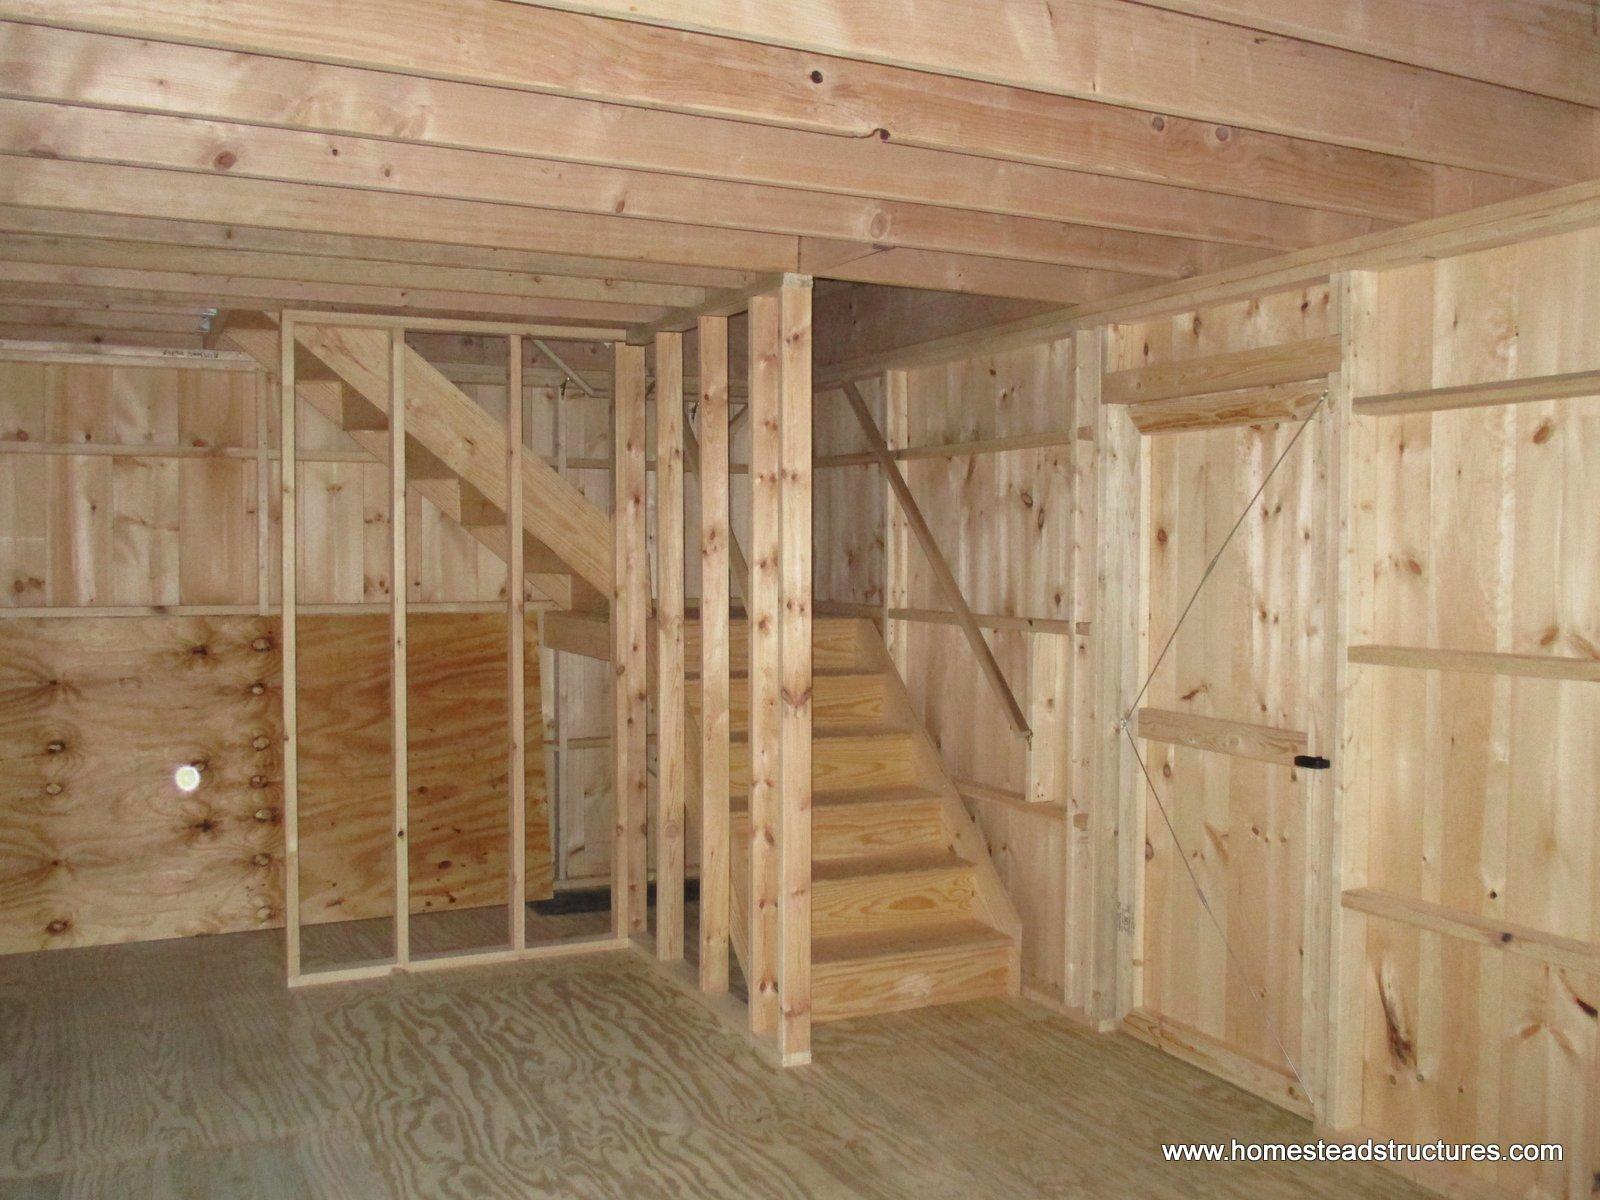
x=97, y=843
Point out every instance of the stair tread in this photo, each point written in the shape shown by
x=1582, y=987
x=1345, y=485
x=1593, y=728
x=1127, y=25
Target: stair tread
x=882, y=730
x=931, y=938
x=878, y=796
x=904, y=862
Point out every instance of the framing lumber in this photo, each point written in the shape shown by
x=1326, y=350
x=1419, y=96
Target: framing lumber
x=289, y=564
x=630, y=609
x=938, y=563
x=1290, y=362
x=1220, y=410
x=399, y=741
x=1479, y=662
x=516, y=640
x=620, y=62
x=764, y=605
x=1566, y=953
x=1263, y=743
x=715, y=536
x=794, y=714
x=1482, y=395
x=65, y=66
x=671, y=698
x=1135, y=56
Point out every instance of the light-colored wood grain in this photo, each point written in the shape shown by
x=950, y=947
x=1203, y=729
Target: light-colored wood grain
x=1256, y=367
x=630, y=610
x=1241, y=739
x=399, y=687
x=712, y=717
x=671, y=721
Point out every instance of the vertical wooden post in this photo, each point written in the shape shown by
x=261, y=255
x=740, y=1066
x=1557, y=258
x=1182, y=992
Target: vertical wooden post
x=630, y=605
x=897, y=530
x=714, y=539
x=287, y=506
x=794, y=778
x=1342, y=791
x=763, y=606
x=671, y=721
x=516, y=639
x=1116, y=821
x=263, y=507
x=397, y=627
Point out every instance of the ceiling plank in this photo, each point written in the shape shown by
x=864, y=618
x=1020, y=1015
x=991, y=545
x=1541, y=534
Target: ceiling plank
x=484, y=41
x=109, y=252
x=239, y=151
x=231, y=291
x=612, y=275
x=1143, y=57
x=977, y=276
x=143, y=192
x=1551, y=47
x=71, y=67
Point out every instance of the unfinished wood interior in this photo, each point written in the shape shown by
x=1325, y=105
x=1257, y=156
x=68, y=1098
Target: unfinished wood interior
x=1037, y=546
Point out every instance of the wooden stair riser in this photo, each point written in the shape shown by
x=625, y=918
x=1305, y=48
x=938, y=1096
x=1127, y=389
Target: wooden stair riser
x=837, y=702
x=897, y=982
x=843, y=764
x=867, y=828
x=835, y=645
x=898, y=900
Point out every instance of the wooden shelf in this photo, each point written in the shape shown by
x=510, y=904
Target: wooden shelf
x=1488, y=931
x=1481, y=395
x=1535, y=666
x=1263, y=743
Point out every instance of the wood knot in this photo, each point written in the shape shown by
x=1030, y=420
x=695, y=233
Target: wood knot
x=225, y=161
x=52, y=789
x=261, y=860
x=258, y=689
x=56, y=747
x=258, y=781
x=59, y=926
x=261, y=643
x=264, y=815
x=261, y=741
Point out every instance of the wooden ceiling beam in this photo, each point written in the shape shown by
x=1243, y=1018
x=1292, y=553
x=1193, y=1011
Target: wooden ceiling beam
x=99, y=318
x=78, y=334
x=667, y=284
x=70, y=67
x=227, y=291
x=1550, y=47
x=618, y=62
x=1142, y=57
x=238, y=151
x=34, y=182
x=593, y=295
x=976, y=275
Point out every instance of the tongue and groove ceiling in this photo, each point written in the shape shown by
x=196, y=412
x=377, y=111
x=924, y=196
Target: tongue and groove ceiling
x=605, y=164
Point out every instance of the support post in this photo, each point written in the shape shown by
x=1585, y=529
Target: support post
x=400, y=725
x=1116, y=821
x=795, y=598
x=630, y=605
x=714, y=748
x=764, y=609
x=671, y=720
x=289, y=561
x=516, y=649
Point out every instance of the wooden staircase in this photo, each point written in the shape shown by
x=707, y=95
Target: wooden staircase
x=455, y=452
x=907, y=909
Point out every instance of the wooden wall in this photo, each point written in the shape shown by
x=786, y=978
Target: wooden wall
x=1476, y=994
x=129, y=502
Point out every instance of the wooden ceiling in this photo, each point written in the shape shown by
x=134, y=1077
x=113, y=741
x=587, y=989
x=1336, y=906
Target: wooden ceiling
x=606, y=163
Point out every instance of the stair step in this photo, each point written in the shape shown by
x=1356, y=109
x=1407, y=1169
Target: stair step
x=890, y=893
x=835, y=642
x=840, y=698
x=843, y=762
x=860, y=974
x=868, y=824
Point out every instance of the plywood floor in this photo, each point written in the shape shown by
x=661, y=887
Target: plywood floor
x=186, y=1069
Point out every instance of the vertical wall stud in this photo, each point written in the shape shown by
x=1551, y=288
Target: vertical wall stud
x=671, y=768
x=714, y=749
x=516, y=641
x=795, y=598
x=764, y=613
x=630, y=604
x=397, y=626
x=287, y=506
